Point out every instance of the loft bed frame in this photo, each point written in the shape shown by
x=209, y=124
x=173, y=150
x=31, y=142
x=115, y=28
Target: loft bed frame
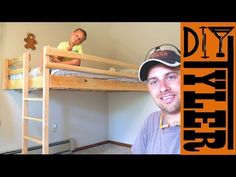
x=71, y=82
x=46, y=81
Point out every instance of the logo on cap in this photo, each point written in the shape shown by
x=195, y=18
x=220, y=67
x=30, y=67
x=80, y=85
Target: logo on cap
x=159, y=54
x=167, y=57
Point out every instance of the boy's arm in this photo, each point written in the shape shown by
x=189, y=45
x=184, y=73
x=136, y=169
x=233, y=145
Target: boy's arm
x=55, y=59
x=75, y=62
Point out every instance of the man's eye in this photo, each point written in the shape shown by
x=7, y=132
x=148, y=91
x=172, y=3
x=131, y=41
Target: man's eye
x=153, y=82
x=172, y=77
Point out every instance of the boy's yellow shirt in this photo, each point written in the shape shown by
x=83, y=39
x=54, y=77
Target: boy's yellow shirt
x=65, y=45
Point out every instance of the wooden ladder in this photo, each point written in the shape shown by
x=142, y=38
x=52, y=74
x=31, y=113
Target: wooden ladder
x=44, y=141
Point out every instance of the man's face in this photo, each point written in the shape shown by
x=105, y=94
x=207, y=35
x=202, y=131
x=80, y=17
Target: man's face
x=164, y=87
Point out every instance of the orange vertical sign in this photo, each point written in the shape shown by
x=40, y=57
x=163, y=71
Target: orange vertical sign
x=208, y=79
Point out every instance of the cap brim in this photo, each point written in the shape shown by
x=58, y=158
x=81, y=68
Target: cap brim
x=144, y=68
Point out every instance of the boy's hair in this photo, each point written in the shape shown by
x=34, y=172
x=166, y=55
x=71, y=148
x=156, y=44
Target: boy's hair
x=83, y=31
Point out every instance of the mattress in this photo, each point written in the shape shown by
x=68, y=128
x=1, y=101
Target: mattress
x=60, y=72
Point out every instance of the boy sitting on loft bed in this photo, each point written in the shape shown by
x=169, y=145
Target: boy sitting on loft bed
x=78, y=36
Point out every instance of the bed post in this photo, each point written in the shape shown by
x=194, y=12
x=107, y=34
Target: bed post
x=5, y=74
x=45, y=133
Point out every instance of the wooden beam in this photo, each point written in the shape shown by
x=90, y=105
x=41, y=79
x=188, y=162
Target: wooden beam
x=45, y=132
x=25, y=93
x=5, y=74
x=34, y=139
x=63, y=53
x=33, y=118
x=79, y=83
x=15, y=60
x=15, y=71
x=89, y=70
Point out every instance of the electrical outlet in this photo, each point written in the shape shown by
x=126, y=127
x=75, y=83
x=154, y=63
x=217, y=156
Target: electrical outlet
x=54, y=127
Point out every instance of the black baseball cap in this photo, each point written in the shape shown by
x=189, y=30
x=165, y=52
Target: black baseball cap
x=167, y=57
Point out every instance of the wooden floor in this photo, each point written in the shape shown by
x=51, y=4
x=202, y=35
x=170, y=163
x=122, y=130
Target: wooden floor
x=106, y=149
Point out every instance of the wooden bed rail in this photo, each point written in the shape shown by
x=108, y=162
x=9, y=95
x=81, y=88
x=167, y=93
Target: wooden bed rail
x=49, y=51
x=90, y=70
x=12, y=66
x=62, y=53
x=55, y=81
x=5, y=74
x=16, y=61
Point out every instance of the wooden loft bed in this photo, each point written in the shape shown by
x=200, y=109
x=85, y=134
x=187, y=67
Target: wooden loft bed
x=46, y=81
x=72, y=82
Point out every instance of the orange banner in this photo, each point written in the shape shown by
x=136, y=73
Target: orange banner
x=208, y=76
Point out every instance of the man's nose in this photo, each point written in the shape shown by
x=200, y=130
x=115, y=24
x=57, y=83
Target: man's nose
x=164, y=86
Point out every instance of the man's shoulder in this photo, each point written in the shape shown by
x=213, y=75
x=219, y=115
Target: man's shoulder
x=153, y=117
x=155, y=114
x=152, y=121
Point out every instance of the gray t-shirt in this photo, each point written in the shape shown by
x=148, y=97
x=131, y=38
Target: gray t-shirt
x=155, y=140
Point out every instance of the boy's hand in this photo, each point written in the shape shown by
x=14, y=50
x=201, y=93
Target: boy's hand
x=55, y=60
x=71, y=45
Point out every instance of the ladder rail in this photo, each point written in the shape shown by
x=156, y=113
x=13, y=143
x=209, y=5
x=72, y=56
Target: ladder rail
x=45, y=132
x=25, y=94
x=44, y=141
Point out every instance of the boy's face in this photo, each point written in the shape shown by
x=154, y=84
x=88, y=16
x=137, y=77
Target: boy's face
x=77, y=37
x=164, y=87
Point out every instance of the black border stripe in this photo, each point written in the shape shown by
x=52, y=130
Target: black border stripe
x=230, y=92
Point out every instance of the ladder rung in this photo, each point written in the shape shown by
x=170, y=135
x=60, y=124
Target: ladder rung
x=33, y=99
x=34, y=118
x=36, y=140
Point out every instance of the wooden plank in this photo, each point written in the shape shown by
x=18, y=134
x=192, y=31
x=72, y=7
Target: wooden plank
x=34, y=83
x=33, y=118
x=63, y=53
x=89, y=70
x=79, y=83
x=33, y=99
x=25, y=94
x=16, y=60
x=5, y=74
x=45, y=132
x=15, y=71
x=34, y=139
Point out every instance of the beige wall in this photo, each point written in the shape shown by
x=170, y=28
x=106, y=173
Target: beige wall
x=127, y=111
x=79, y=115
x=128, y=41
x=89, y=117
x=45, y=34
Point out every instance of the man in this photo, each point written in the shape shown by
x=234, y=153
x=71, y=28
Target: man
x=160, y=133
